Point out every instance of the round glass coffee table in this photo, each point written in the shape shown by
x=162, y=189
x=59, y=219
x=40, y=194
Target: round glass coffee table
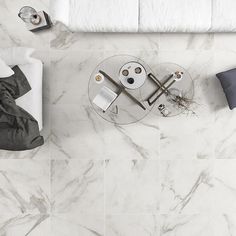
x=179, y=98
x=120, y=104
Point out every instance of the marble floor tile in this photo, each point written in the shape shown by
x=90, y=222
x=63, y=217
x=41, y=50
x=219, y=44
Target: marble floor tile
x=186, y=186
x=224, y=224
x=225, y=41
x=191, y=225
x=225, y=134
x=73, y=137
x=126, y=225
x=77, y=186
x=77, y=130
x=224, y=189
x=77, y=197
x=77, y=224
x=24, y=197
x=198, y=186
x=132, y=187
x=192, y=138
x=70, y=86
x=21, y=225
x=26, y=189
x=198, y=224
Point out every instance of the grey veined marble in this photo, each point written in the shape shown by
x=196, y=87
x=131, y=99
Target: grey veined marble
x=158, y=177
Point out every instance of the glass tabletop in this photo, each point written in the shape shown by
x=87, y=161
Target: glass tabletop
x=123, y=89
x=179, y=97
x=122, y=102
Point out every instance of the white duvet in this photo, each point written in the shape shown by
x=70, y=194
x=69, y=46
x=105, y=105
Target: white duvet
x=33, y=69
x=146, y=15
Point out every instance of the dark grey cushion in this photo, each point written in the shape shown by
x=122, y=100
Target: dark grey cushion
x=228, y=83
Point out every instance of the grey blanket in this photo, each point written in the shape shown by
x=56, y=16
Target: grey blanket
x=18, y=129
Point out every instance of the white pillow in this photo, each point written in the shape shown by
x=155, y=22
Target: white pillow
x=16, y=55
x=5, y=70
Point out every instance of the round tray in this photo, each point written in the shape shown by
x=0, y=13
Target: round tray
x=123, y=110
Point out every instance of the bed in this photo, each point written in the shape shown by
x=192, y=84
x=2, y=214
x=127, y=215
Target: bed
x=33, y=70
x=146, y=16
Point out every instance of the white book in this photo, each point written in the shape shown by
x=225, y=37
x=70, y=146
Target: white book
x=105, y=98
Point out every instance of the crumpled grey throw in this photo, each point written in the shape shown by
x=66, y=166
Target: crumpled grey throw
x=18, y=129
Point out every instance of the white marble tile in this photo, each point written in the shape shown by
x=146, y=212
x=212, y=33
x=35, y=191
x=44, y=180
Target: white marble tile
x=224, y=186
x=73, y=136
x=225, y=134
x=225, y=41
x=198, y=224
x=25, y=187
x=77, y=224
x=77, y=197
x=186, y=186
x=191, y=225
x=77, y=186
x=186, y=138
x=70, y=73
x=78, y=132
x=24, y=197
x=126, y=225
x=132, y=186
x=198, y=186
x=224, y=224
x=21, y=225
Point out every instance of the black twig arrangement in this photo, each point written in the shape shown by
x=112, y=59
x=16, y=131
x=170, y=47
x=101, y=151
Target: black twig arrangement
x=182, y=102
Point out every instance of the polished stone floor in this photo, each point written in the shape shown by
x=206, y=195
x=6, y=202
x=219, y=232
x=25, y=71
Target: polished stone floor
x=157, y=177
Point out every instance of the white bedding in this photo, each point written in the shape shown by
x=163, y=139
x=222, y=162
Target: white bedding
x=33, y=69
x=146, y=15
x=97, y=15
x=175, y=15
x=224, y=16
